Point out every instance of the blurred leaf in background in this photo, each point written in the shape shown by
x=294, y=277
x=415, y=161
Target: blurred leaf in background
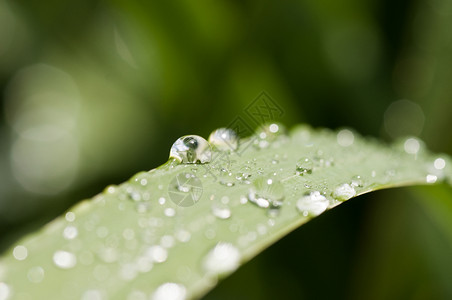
x=95, y=91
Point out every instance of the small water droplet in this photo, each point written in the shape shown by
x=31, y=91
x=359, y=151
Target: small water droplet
x=224, y=139
x=412, y=146
x=20, y=252
x=357, y=181
x=430, y=178
x=221, y=211
x=64, y=259
x=223, y=258
x=35, y=274
x=183, y=235
x=70, y=232
x=169, y=212
x=158, y=254
x=312, y=203
x=268, y=133
x=266, y=192
x=439, y=163
x=170, y=291
x=191, y=149
x=344, y=192
x=162, y=200
x=345, y=138
x=70, y=216
x=304, y=166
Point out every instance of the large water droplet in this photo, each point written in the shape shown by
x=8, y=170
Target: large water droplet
x=266, y=192
x=312, y=204
x=344, y=192
x=170, y=291
x=304, y=166
x=64, y=259
x=223, y=258
x=191, y=149
x=224, y=139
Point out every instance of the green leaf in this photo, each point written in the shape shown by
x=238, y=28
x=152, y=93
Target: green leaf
x=155, y=235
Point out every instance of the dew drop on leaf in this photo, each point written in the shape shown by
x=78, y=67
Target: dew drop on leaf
x=191, y=149
x=312, y=204
x=224, y=139
x=304, y=166
x=266, y=192
x=344, y=192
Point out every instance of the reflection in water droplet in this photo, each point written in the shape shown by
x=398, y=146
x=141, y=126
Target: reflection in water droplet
x=223, y=258
x=35, y=274
x=4, y=291
x=170, y=291
x=20, y=252
x=345, y=138
x=431, y=178
x=312, y=204
x=266, y=191
x=191, y=149
x=439, y=163
x=64, y=259
x=304, y=166
x=224, y=139
x=344, y=192
x=411, y=146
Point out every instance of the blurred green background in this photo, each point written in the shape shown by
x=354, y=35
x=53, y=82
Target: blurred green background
x=94, y=91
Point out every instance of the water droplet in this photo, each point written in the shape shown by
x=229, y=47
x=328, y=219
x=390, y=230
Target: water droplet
x=223, y=258
x=266, y=191
x=20, y=252
x=170, y=291
x=4, y=291
x=169, y=212
x=357, y=181
x=157, y=253
x=162, y=200
x=312, y=204
x=70, y=216
x=304, y=166
x=345, y=138
x=64, y=259
x=185, y=189
x=70, y=232
x=268, y=133
x=224, y=139
x=439, y=163
x=431, y=178
x=191, y=149
x=35, y=274
x=344, y=192
x=221, y=211
x=412, y=146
